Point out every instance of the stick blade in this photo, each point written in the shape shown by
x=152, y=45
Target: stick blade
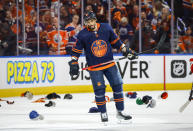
x=182, y=108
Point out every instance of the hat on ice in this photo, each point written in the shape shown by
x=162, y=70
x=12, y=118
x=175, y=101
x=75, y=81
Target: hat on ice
x=27, y=94
x=52, y=96
x=34, y=115
x=67, y=96
x=139, y=101
x=93, y=110
x=131, y=95
x=152, y=103
x=50, y=104
x=146, y=99
x=164, y=95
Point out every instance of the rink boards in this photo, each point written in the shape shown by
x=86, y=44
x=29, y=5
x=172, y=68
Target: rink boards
x=46, y=74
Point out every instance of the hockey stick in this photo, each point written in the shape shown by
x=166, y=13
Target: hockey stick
x=116, y=60
x=183, y=107
x=27, y=50
x=40, y=100
x=162, y=39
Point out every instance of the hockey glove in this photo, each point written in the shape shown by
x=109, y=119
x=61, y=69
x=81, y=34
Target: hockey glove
x=131, y=54
x=74, y=68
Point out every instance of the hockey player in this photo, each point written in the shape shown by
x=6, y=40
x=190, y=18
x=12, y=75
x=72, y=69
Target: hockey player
x=97, y=40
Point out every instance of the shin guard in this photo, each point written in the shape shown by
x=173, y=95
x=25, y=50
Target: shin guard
x=100, y=100
x=118, y=97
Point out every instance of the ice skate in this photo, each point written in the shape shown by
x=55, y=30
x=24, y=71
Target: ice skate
x=121, y=116
x=104, y=118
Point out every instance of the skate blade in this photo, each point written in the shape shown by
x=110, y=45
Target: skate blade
x=104, y=123
x=122, y=121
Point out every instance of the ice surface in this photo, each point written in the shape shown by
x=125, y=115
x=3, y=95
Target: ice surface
x=72, y=115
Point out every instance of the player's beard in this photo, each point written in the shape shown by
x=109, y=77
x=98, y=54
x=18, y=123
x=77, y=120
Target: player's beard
x=91, y=27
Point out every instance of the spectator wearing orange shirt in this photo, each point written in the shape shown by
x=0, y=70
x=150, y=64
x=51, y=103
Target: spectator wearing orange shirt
x=185, y=42
x=57, y=43
x=135, y=17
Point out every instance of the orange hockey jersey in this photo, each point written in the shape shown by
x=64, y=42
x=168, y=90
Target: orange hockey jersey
x=187, y=4
x=186, y=44
x=58, y=42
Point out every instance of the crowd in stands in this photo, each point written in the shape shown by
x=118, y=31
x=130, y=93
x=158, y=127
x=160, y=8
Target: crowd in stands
x=54, y=40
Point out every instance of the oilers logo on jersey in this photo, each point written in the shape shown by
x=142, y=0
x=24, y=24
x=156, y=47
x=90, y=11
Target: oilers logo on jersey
x=123, y=31
x=99, y=48
x=58, y=39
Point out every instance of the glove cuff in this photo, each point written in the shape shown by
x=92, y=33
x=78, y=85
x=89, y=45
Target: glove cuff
x=74, y=58
x=122, y=47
